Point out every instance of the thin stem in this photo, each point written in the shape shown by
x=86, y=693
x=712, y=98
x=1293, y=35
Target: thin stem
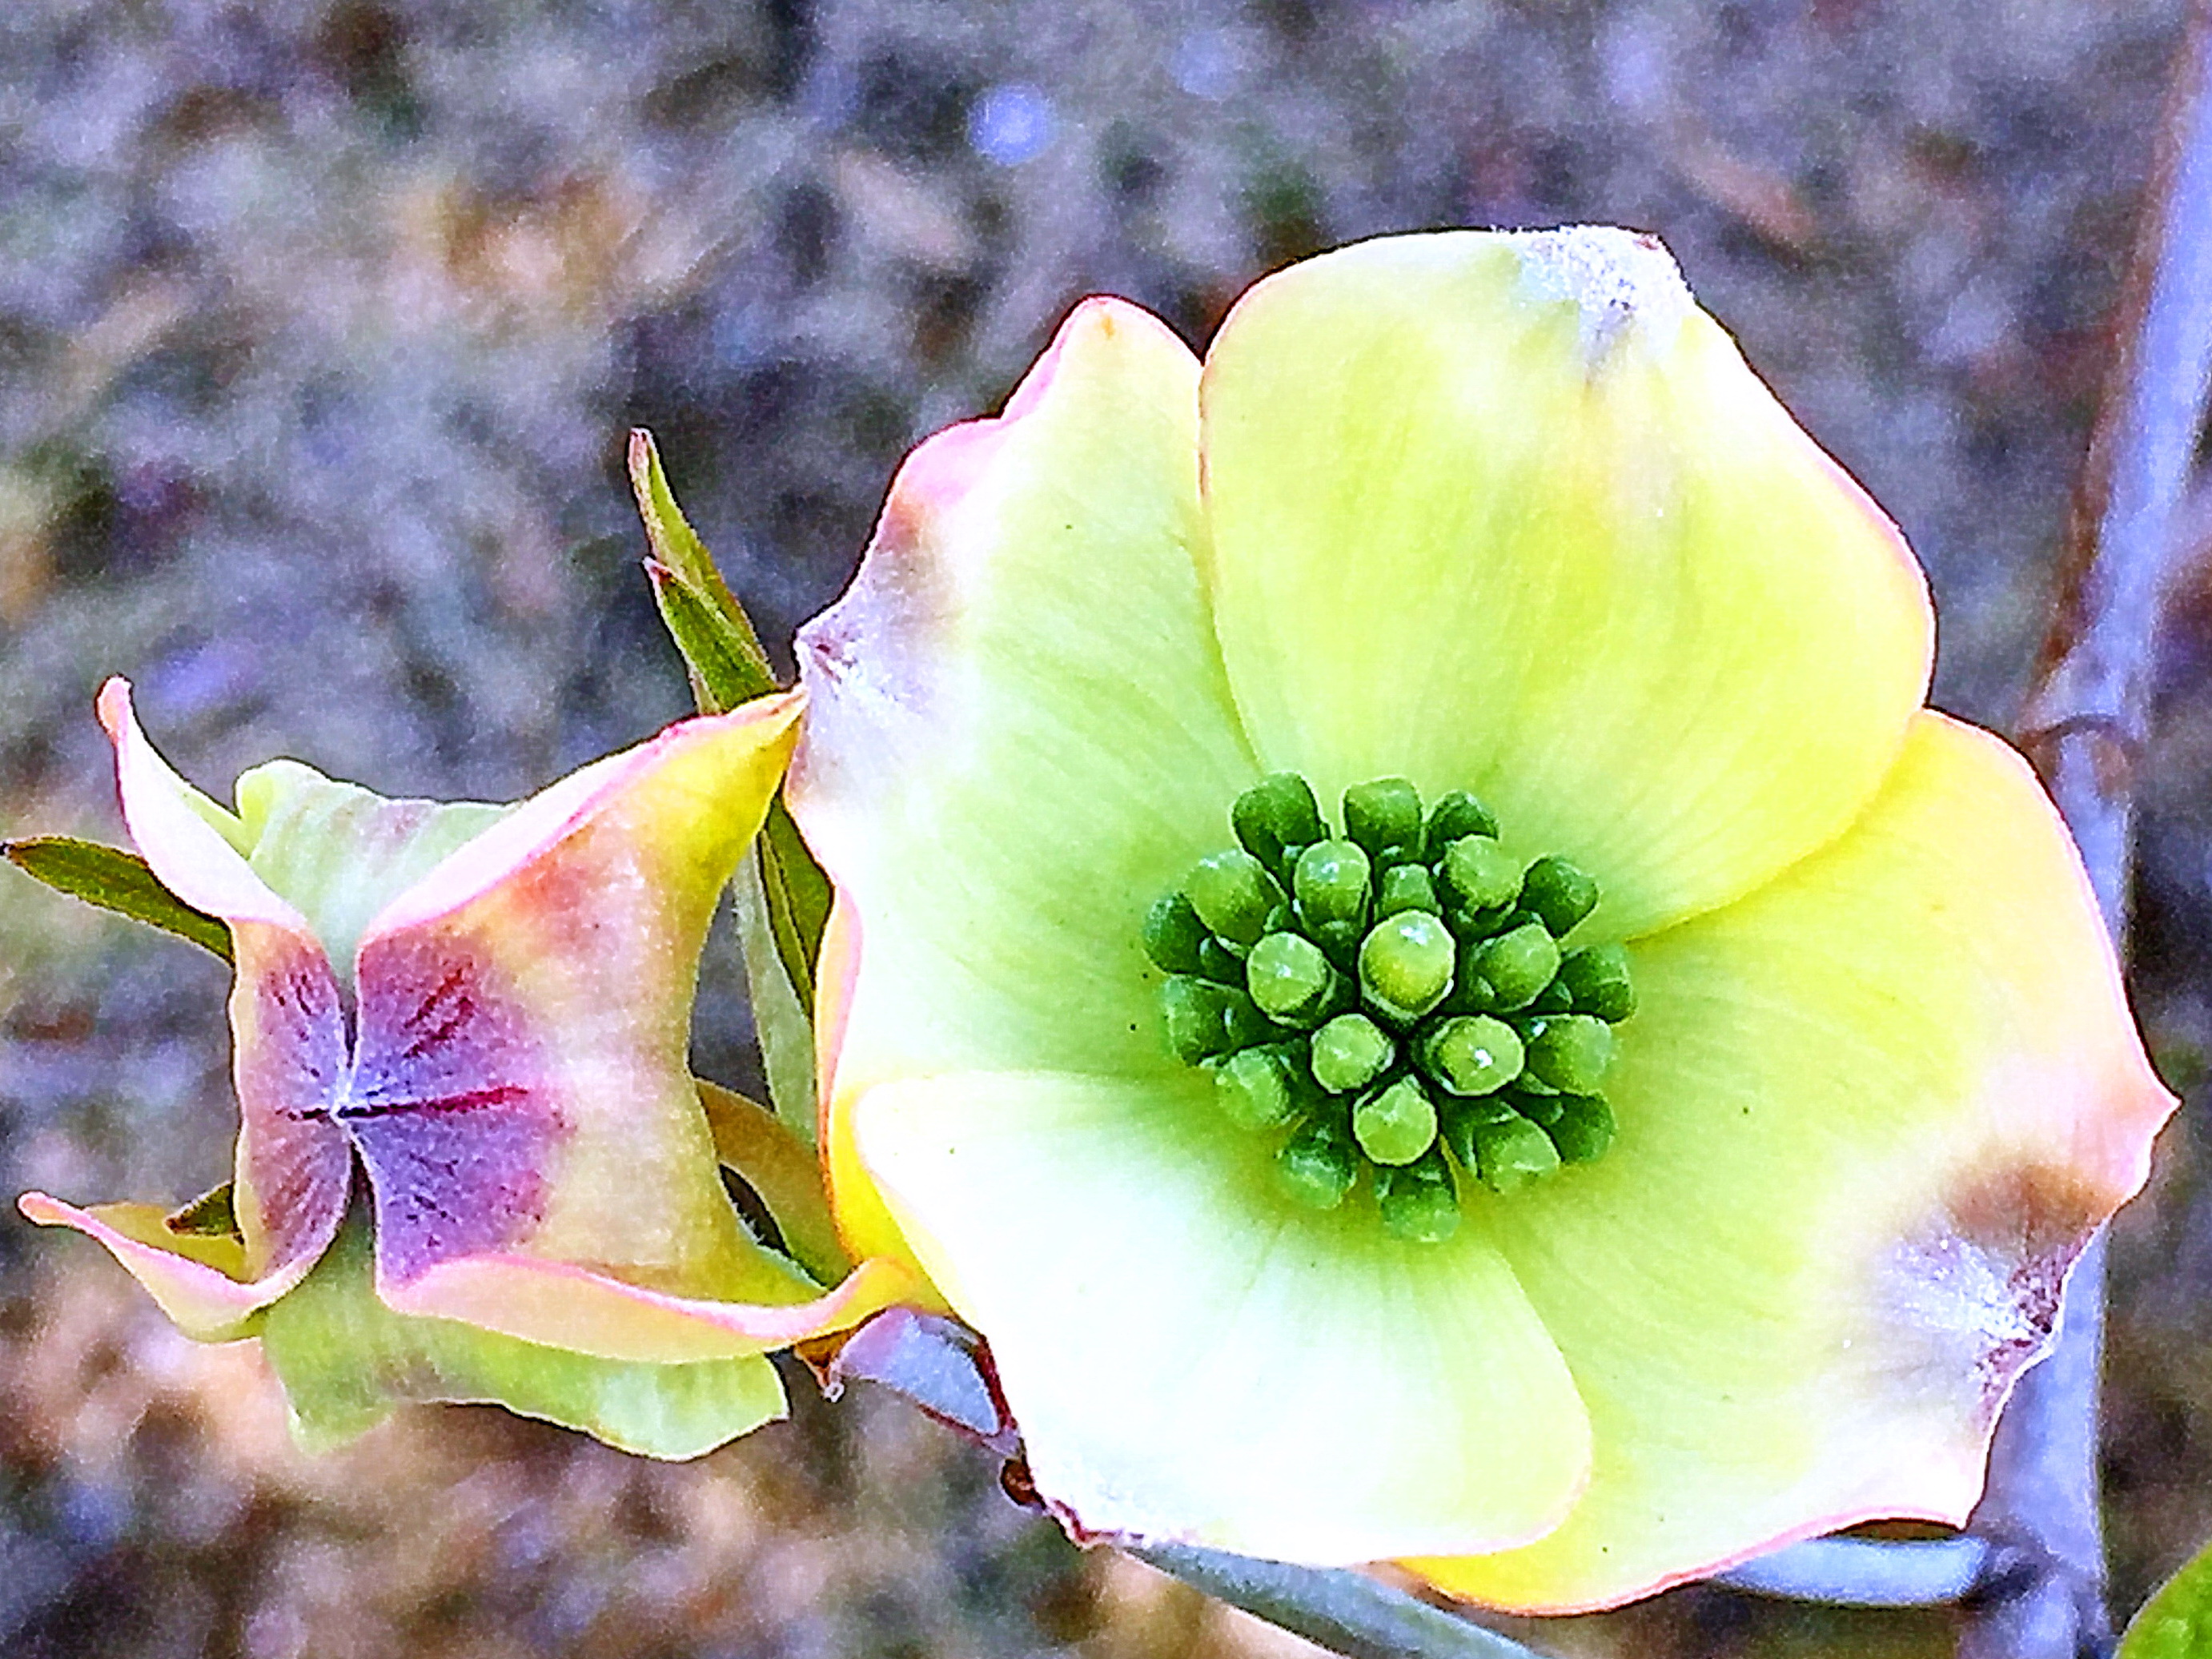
x=1347, y=1613
x=2085, y=726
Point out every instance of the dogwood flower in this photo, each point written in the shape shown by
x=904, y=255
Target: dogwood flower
x=466, y=1026
x=1408, y=952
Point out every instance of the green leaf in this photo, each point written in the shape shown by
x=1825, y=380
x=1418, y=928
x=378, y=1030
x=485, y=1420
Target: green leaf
x=781, y=1018
x=114, y=880
x=722, y=675
x=2177, y=1622
x=798, y=898
x=728, y=667
x=710, y=626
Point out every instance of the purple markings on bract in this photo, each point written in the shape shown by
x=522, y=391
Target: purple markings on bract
x=290, y=1069
x=449, y=1106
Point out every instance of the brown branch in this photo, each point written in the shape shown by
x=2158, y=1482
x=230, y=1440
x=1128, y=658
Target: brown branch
x=2084, y=726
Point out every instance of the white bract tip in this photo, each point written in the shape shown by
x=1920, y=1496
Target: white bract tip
x=1618, y=278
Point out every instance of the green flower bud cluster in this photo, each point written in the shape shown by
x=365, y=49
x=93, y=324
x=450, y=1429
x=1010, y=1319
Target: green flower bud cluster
x=1398, y=1003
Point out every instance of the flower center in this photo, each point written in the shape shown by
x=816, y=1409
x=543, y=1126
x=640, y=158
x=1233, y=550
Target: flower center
x=1397, y=999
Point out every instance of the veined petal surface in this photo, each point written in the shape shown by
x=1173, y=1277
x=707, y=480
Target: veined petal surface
x=1019, y=732
x=1192, y=1358
x=1868, y=1117
x=538, y=1155
x=1508, y=512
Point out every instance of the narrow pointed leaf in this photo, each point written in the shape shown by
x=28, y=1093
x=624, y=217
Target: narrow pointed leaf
x=723, y=673
x=782, y=1020
x=722, y=652
x=676, y=546
x=798, y=898
x=115, y=880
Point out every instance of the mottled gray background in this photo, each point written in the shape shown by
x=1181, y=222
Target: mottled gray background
x=320, y=326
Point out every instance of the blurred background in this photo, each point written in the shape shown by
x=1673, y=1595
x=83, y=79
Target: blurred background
x=320, y=328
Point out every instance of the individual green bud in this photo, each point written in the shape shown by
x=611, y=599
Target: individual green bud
x=1458, y=1117
x=1476, y=873
x=1470, y=994
x=1405, y=887
x=1384, y=816
x=1331, y=882
x=1196, y=1013
x=1471, y=1055
x=1571, y=1051
x=1540, y=1105
x=1517, y=964
x=1217, y=962
x=1290, y=978
x=1595, y=980
x=1406, y=965
x=1318, y=1165
x=1458, y=813
x=1174, y=935
x=1511, y=1151
x=1583, y=1127
x=1245, y=1024
x=1350, y=1052
x=1553, y=999
x=1396, y=1123
x=1561, y=894
x=1256, y=1089
x=1274, y=815
x=1233, y=894
x=1418, y=1202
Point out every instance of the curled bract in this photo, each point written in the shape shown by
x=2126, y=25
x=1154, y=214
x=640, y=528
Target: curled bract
x=467, y=1026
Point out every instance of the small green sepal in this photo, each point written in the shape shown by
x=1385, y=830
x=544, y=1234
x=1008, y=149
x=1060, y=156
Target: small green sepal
x=1204, y=1018
x=1256, y=1089
x=1510, y=1151
x=1331, y=882
x=1478, y=875
x=1405, y=887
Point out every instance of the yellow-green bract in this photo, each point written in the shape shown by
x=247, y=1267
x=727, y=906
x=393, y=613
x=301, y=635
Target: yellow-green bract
x=1505, y=513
